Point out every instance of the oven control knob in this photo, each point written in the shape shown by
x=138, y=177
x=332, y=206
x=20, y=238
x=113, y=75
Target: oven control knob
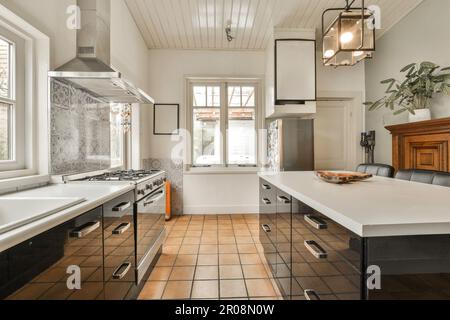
x=149, y=187
x=141, y=192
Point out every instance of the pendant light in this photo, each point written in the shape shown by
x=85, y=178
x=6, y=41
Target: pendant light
x=350, y=38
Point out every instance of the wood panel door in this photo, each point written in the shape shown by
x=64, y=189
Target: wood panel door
x=331, y=135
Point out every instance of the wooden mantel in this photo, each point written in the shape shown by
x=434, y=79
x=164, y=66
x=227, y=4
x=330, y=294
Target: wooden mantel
x=421, y=145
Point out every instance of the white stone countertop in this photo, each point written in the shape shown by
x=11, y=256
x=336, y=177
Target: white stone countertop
x=374, y=208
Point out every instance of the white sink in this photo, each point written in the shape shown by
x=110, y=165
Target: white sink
x=17, y=212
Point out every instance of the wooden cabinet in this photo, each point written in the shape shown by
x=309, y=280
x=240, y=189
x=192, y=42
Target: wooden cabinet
x=421, y=145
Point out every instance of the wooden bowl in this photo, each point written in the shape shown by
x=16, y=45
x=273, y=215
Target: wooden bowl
x=342, y=178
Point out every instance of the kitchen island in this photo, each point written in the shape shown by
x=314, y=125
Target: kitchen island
x=378, y=239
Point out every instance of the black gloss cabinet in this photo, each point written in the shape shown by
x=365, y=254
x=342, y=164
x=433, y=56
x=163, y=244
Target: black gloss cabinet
x=99, y=246
x=39, y=268
x=314, y=258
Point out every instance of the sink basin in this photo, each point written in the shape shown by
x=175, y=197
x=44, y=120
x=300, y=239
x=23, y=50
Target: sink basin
x=17, y=212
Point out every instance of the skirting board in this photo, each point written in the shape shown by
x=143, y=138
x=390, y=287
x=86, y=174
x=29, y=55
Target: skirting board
x=193, y=210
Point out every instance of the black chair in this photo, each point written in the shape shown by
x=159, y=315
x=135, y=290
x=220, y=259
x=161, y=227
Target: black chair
x=437, y=178
x=381, y=170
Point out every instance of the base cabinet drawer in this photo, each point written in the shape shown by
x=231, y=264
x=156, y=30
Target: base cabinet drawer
x=65, y=263
x=325, y=257
x=119, y=252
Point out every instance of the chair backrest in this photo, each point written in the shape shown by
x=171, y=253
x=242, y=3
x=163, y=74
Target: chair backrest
x=381, y=170
x=425, y=176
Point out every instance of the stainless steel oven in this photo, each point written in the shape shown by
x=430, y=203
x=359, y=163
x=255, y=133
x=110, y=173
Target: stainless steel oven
x=150, y=227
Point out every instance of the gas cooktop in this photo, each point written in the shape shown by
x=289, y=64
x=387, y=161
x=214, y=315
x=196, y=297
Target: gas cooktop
x=128, y=175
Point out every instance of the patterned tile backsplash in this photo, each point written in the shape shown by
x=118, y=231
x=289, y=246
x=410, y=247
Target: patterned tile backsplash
x=174, y=175
x=80, y=131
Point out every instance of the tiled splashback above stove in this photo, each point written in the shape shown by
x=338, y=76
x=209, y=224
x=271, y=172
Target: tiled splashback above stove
x=80, y=131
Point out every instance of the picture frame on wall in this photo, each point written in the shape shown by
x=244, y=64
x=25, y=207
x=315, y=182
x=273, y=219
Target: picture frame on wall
x=166, y=119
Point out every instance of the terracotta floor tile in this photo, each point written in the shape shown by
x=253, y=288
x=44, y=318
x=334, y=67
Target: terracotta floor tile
x=227, y=240
x=232, y=289
x=191, y=240
x=207, y=273
x=189, y=249
x=231, y=272
x=209, y=240
x=252, y=258
x=229, y=259
x=166, y=260
x=176, y=290
x=208, y=260
x=260, y=288
x=257, y=271
x=182, y=273
x=153, y=290
x=228, y=248
x=171, y=249
x=171, y=241
x=205, y=289
x=208, y=249
x=184, y=260
x=160, y=274
x=247, y=248
x=244, y=240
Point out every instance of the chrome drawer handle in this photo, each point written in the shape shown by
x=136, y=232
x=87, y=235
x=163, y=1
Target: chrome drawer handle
x=155, y=198
x=315, y=249
x=266, y=201
x=122, y=207
x=284, y=200
x=315, y=222
x=122, y=271
x=311, y=295
x=266, y=187
x=121, y=228
x=85, y=229
x=266, y=228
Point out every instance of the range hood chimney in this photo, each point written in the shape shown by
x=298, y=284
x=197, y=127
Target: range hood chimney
x=91, y=70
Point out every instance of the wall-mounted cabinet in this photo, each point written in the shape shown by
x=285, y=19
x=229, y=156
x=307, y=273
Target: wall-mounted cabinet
x=291, y=79
x=295, y=71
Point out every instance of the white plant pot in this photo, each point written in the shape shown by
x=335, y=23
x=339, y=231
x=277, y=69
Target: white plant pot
x=421, y=115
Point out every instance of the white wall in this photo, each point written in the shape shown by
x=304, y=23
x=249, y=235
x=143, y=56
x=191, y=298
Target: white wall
x=49, y=16
x=421, y=36
x=206, y=193
x=212, y=193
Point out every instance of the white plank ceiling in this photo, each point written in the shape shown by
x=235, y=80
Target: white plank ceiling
x=200, y=24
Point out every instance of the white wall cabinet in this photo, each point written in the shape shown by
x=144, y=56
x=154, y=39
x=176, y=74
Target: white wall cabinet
x=295, y=71
x=291, y=76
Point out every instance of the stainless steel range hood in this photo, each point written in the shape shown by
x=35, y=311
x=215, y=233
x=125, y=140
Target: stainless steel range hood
x=91, y=70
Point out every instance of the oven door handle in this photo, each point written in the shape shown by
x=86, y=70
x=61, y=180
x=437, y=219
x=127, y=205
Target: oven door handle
x=154, y=199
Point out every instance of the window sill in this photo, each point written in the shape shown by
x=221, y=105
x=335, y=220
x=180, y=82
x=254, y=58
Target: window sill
x=219, y=170
x=20, y=183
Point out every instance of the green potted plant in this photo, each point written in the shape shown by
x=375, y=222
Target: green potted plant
x=413, y=94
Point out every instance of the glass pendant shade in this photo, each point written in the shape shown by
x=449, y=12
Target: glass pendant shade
x=350, y=38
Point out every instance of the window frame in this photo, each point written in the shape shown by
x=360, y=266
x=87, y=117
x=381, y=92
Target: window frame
x=33, y=104
x=17, y=97
x=224, y=83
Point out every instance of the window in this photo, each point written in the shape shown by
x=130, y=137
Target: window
x=7, y=101
x=224, y=123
